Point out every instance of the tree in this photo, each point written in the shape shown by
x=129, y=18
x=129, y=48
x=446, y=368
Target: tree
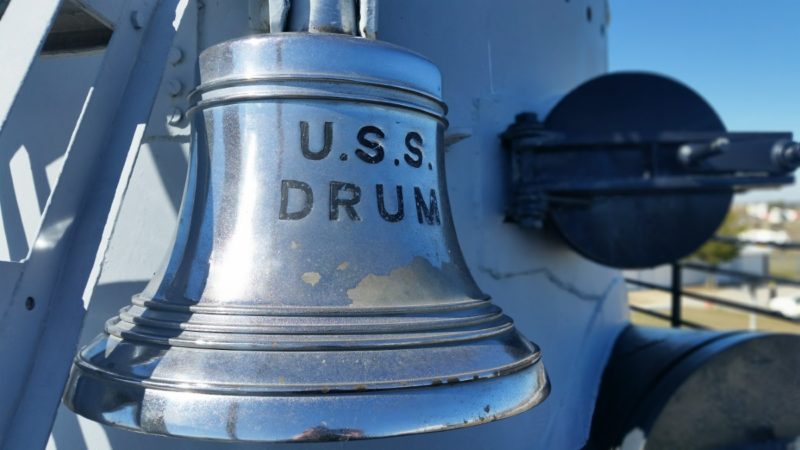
x=714, y=252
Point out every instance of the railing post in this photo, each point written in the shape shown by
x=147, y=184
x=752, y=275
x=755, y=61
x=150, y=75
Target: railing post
x=677, y=285
x=752, y=289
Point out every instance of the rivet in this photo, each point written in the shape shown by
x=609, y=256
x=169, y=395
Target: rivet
x=175, y=56
x=176, y=117
x=174, y=87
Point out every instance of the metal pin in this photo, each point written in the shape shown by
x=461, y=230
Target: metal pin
x=368, y=19
x=278, y=14
x=332, y=16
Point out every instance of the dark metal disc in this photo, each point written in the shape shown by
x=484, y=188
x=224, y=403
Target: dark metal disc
x=638, y=229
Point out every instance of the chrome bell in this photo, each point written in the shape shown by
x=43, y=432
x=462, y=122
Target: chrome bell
x=316, y=290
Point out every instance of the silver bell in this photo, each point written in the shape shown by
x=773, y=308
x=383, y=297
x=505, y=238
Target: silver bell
x=315, y=290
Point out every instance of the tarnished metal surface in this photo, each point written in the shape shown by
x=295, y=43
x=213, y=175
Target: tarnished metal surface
x=316, y=289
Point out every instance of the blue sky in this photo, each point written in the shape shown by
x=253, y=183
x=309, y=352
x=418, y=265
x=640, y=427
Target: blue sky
x=743, y=56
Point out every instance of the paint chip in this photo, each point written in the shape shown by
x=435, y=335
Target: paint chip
x=311, y=278
x=294, y=245
x=343, y=266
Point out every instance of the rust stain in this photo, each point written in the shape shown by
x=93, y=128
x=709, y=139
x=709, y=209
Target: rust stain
x=343, y=266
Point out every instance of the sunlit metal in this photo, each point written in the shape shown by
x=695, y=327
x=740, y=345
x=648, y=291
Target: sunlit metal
x=316, y=290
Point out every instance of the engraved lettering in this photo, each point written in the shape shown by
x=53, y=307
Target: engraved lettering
x=414, y=145
x=304, y=144
x=399, y=214
x=348, y=203
x=427, y=213
x=373, y=144
x=308, y=200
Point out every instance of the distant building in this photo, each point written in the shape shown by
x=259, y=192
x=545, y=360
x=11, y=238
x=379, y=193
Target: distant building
x=764, y=235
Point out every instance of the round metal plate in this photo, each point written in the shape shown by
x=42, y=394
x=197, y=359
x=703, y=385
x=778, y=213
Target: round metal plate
x=638, y=229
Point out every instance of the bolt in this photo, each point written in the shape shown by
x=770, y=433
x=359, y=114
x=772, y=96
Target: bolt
x=176, y=117
x=789, y=155
x=527, y=117
x=526, y=125
x=693, y=153
x=136, y=19
x=175, y=56
x=174, y=87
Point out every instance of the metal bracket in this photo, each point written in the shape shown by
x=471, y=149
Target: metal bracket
x=642, y=162
x=631, y=164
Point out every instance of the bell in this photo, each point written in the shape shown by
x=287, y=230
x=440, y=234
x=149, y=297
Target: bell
x=315, y=290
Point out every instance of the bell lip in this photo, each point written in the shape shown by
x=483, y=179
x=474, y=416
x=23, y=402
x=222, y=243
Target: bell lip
x=197, y=306
x=376, y=414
